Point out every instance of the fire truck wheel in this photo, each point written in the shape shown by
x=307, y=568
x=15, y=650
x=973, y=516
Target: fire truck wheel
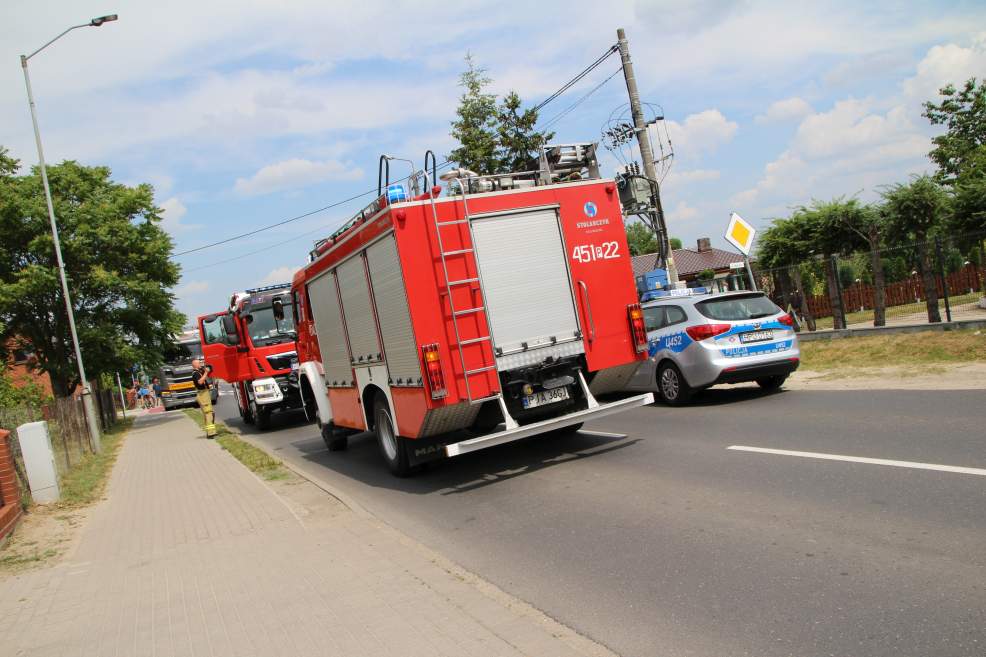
x=392, y=446
x=245, y=414
x=335, y=440
x=261, y=416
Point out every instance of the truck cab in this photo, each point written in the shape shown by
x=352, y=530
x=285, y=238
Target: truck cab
x=251, y=345
x=177, y=389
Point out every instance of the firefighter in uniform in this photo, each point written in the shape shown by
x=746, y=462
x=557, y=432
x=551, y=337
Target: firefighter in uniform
x=200, y=377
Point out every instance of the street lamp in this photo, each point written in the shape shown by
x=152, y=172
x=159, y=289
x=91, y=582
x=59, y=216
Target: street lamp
x=86, y=393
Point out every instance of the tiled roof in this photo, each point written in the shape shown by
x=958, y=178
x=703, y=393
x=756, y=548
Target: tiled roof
x=688, y=261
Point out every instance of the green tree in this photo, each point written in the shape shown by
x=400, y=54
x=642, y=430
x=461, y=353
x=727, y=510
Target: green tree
x=969, y=195
x=519, y=142
x=640, y=239
x=116, y=259
x=915, y=211
x=476, y=128
x=963, y=113
x=675, y=243
x=493, y=137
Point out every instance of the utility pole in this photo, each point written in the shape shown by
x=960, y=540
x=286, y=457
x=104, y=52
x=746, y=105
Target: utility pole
x=646, y=152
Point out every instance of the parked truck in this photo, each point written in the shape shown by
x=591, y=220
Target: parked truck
x=251, y=345
x=177, y=389
x=451, y=323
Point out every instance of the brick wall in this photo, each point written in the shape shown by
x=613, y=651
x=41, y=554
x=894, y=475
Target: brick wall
x=10, y=493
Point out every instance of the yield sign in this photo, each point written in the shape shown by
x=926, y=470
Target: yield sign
x=740, y=234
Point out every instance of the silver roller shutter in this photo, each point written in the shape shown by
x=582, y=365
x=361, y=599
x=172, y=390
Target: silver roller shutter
x=329, y=329
x=358, y=310
x=524, y=271
x=393, y=313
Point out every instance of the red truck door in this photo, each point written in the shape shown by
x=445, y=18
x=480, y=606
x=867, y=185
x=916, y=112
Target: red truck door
x=220, y=345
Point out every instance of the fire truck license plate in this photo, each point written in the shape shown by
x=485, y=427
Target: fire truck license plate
x=756, y=336
x=545, y=397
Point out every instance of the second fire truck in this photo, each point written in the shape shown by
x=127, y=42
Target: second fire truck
x=451, y=323
x=251, y=345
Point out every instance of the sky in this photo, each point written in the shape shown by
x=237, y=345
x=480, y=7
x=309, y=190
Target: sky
x=243, y=114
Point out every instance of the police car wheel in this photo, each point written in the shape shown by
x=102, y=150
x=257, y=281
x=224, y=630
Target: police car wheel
x=772, y=382
x=671, y=385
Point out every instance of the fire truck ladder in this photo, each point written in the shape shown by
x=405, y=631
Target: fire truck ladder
x=468, y=252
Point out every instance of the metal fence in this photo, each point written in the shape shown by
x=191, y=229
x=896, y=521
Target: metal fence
x=943, y=279
x=67, y=427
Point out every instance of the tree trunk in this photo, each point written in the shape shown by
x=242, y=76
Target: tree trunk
x=928, y=282
x=804, y=309
x=879, y=289
x=838, y=319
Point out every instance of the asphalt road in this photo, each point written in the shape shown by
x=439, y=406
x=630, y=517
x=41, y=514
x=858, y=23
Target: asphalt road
x=665, y=542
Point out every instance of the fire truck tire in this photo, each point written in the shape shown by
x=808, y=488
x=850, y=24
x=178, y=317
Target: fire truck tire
x=393, y=447
x=261, y=416
x=335, y=440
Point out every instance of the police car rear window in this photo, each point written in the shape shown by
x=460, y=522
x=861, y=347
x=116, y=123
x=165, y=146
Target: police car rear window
x=738, y=308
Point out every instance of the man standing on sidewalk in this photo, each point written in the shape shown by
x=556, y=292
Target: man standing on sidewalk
x=200, y=377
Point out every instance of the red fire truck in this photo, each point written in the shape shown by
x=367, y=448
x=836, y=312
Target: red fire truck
x=251, y=345
x=451, y=323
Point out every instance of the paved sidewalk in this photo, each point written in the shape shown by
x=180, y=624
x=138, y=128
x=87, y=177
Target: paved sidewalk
x=191, y=554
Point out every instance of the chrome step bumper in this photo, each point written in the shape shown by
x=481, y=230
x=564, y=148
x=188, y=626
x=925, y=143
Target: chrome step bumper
x=509, y=435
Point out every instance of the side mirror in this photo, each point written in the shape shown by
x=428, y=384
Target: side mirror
x=229, y=326
x=278, y=309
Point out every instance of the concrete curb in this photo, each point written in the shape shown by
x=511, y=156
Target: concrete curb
x=830, y=334
x=580, y=643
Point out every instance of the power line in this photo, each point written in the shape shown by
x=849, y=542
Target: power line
x=558, y=117
x=568, y=85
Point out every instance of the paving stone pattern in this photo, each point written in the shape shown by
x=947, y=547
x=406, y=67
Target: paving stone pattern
x=191, y=554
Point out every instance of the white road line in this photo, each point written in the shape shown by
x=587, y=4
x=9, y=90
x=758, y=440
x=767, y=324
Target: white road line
x=863, y=459
x=603, y=434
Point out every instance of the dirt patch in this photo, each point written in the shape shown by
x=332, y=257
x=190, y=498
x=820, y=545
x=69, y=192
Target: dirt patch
x=43, y=537
x=940, y=376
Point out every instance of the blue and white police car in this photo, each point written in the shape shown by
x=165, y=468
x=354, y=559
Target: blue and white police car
x=700, y=340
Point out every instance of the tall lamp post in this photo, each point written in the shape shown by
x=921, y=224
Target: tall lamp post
x=86, y=393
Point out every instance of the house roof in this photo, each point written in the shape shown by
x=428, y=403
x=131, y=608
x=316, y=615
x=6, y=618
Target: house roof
x=688, y=261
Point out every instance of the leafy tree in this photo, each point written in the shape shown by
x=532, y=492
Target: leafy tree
x=969, y=195
x=477, y=122
x=493, y=137
x=519, y=142
x=675, y=243
x=914, y=212
x=869, y=224
x=640, y=239
x=117, y=262
x=963, y=113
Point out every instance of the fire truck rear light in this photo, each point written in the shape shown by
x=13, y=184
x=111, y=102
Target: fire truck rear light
x=433, y=369
x=705, y=331
x=636, y=318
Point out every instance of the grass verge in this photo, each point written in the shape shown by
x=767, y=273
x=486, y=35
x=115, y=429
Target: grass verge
x=866, y=316
x=924, y=349
x=257, y=460
x=84, y=483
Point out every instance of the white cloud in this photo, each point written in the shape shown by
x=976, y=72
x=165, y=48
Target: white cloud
x=681, y=213
x=192, y=288
x=945, y=64
x=172, y=212
x=295, y=174
x=279, y=275
x=700, y=133
x=785, y=110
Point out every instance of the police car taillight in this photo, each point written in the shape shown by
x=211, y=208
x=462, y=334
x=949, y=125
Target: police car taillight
x=636, y=318
x=786, y=319
x=433, y=368
x=705, y=331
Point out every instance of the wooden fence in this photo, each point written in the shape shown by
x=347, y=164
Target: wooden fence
x=911, y=290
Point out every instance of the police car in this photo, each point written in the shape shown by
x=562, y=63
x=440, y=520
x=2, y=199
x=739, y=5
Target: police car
x=701, y=340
